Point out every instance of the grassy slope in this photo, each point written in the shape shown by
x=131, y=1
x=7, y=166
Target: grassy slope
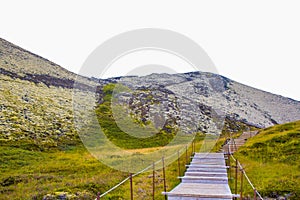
x=27, y=174
x=142, y=184
x=271, y=160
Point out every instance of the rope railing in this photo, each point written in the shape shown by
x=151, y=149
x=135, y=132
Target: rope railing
x=99, y=196
x=126, y=179
x=238, y=165
x=113, y=188
x=230, y=152
x=247, y=178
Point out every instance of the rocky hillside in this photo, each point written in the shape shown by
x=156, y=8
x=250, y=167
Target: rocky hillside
x=197, y=101
x=19, y=63
x=36, y=100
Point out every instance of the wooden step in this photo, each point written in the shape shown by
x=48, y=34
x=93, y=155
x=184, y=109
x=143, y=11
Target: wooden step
x=207, y=166
x=204, y=179
x=210, y=174
x=206, y=170
x=200, y=191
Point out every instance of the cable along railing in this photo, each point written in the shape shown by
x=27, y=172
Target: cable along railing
x=237, y=167
x=162, y=160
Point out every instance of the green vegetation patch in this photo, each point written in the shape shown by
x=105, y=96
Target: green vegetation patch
x=73, y=174
x=120, y=138
x=27, y=174
x=271, y=160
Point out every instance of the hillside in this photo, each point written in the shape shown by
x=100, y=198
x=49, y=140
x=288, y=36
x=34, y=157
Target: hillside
x=36, y=100
x=271, y=160
x=195, y=99
x=17, y=62
x=41, y=152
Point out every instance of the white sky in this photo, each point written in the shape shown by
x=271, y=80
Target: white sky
x=253, y=42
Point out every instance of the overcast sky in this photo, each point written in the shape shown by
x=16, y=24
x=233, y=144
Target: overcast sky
x=255, y=42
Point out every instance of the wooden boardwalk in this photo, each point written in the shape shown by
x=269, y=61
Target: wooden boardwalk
x=205, y=179
x=234, y=144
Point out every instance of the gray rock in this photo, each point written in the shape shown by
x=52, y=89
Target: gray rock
x=199, y=101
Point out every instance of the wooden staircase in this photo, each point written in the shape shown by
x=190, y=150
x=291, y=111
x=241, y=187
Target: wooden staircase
x=205, y=178
x=234, y=144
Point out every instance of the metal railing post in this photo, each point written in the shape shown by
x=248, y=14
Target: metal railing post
x=193, y=144
x=186, y=155
x=178, y=160
x=229, y=164
x=236, y=176
x=242, y=176
x=254, y=197
x=164, y=176
x=153, y=185
x=131, y=187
